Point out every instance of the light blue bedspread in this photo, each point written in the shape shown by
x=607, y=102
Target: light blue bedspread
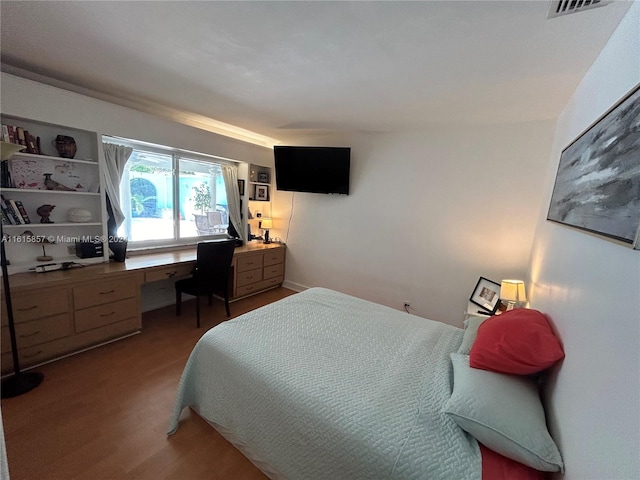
x=322, y=385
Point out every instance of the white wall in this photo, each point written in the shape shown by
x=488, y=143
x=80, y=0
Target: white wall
x=590, y=288
x=427, y=215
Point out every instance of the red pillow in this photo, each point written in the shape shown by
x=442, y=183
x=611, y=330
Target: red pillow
x=497, y=467
x=519, y=341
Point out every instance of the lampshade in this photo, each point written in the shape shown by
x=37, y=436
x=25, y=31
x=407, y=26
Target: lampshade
x=7, y=149
x=513, y=291
x=29, y=236
x=267, y=223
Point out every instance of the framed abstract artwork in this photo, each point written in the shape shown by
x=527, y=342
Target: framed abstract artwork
x=597, y=187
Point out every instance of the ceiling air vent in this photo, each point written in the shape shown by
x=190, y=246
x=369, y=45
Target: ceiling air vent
x=559, y=8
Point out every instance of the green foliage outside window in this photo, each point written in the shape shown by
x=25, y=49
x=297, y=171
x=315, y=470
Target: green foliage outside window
x=202, y=197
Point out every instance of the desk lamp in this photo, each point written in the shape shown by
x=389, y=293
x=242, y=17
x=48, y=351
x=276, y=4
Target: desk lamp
x=32, y=238
x=513, y=292
x=19, y=382
x=266, y=224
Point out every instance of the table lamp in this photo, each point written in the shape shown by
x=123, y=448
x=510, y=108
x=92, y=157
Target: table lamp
x=19, y=382
x=266, y=224
x=513, y=292
x=38, y=240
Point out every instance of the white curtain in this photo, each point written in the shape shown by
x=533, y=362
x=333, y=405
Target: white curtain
x=4, y=464
x=116, y=157
x=230, y=175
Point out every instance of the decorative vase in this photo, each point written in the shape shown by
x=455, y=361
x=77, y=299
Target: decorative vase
x=66, y=146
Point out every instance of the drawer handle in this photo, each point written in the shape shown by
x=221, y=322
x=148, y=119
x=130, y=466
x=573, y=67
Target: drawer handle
x=27, y=335
x=107, y=293
x=26, y=309
x=171, y=274
x=107, y=314
x=33, y=354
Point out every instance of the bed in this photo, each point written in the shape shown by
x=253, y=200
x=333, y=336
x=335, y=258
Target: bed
x=323, y=385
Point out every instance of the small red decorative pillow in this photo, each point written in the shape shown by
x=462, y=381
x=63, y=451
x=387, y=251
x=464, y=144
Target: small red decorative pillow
x=519, y=342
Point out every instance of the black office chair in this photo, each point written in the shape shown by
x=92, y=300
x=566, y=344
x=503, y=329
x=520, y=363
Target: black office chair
x=211, y=274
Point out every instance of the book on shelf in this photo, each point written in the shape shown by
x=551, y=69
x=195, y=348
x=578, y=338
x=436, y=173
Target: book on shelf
x=18, y=214
x=32, y=143
x=12, y=134
x=20, y=136
x=5, y=175
x=8, y=212
x=9, y=134
x=21, y=210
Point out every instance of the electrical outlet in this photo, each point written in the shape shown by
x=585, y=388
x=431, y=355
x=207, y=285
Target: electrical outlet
x=71, y=249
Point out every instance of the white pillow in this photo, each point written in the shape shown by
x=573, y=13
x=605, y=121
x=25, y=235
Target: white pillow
x=504, y=413
x=470, y=333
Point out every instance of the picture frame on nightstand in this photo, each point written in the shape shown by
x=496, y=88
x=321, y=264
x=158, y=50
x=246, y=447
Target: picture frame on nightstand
x=486, y=294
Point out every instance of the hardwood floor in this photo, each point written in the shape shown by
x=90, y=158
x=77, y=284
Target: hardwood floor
x=103, y=414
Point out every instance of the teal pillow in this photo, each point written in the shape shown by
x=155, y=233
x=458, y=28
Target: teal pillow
x=504, y=413
x=470, y=333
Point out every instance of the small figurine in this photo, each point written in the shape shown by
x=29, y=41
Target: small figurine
x=51, y=184
x=44, y=211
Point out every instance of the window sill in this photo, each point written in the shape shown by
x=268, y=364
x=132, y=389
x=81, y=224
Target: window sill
x=142, y=250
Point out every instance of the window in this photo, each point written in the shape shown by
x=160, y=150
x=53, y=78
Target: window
x=163, y=209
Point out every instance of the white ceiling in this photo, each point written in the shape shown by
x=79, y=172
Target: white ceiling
x=287, y=68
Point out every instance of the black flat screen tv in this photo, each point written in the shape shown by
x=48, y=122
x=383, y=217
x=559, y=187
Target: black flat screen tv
x=312, y=169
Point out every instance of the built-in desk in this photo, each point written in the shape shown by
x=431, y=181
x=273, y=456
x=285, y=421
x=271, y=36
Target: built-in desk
x=62, y=312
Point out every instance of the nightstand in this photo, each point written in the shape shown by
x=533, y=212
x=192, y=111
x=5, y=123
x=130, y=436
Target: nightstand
x=474, y=310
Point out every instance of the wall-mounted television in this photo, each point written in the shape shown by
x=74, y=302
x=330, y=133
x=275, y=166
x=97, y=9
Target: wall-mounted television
x=312, y=169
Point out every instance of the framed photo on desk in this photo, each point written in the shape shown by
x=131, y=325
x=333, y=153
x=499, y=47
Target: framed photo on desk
x=486, y=295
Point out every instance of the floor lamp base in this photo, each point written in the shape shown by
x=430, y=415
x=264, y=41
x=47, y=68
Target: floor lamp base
x=22, y=383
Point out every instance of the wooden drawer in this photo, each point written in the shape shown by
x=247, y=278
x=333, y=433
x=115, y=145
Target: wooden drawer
x=105, y=292
x=249, y=262
x=247, y=289
x=274, y=256
x=56, y=348
x=257, y=287
x=31, y=306
x=102, y=315
x=248, y=277
x=109, y=332
x=31, y=356
x=173, y=271
x=272, y=282
x=273, y=271
x=37, y=331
